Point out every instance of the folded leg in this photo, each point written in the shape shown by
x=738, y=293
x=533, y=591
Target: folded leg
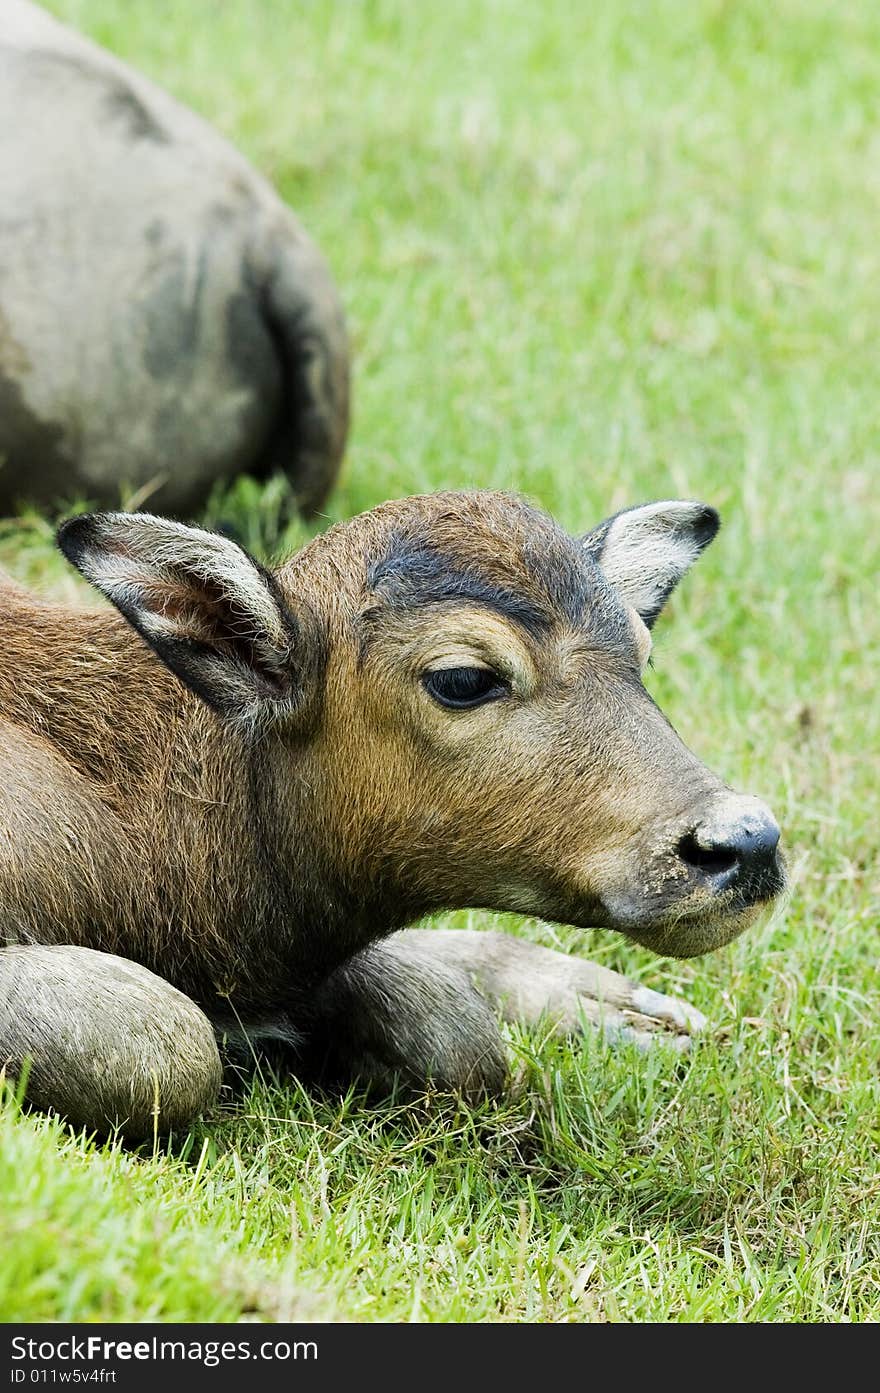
x=423, y=1005
x=103, y=1041
x=532, y=985
x=398, y=1011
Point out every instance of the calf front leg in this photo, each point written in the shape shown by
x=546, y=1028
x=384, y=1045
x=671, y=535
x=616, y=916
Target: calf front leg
x=534, y=985
x=423, y=1006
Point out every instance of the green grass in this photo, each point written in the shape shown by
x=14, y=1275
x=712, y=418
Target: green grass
x=600, y=253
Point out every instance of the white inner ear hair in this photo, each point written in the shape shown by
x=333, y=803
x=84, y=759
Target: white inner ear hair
x=138, y=557
x=648, y=550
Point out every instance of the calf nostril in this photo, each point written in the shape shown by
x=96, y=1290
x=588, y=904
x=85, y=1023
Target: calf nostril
x=708, y=860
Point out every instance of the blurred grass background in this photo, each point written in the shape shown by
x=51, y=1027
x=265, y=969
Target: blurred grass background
x=601, y=254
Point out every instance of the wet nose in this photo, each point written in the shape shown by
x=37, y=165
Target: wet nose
x=736, y=846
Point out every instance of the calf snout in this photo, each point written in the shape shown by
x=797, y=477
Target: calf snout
x=697, y=883
x=735, y=847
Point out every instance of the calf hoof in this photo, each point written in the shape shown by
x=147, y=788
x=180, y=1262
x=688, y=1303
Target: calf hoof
x=104, y=1042
x=623, y=1010
x=535, y=985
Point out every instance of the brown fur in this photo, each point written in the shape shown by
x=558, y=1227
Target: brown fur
x=246, y=861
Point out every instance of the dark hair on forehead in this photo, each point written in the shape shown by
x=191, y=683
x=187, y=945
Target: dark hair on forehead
x=416, y=574
x=510, y=558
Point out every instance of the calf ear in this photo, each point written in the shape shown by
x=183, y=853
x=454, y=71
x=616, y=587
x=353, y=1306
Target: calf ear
x=644, y=552
x=212, y=613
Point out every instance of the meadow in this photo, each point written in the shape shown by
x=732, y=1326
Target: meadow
x=600, y=254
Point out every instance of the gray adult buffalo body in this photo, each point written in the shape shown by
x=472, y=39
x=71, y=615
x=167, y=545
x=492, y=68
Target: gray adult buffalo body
x=164, y=320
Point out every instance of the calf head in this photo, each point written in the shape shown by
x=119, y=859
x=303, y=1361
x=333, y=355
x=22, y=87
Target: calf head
x=446, y=692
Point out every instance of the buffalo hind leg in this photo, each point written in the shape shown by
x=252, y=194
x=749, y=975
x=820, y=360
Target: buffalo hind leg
x=104, y=1042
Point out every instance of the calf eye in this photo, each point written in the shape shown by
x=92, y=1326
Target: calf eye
x=461, y=687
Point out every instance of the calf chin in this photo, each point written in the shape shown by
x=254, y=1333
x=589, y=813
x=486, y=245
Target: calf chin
x=690, y=936
x=697, y=921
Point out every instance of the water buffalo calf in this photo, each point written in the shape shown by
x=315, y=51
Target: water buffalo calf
x=228, y=808
x=158, y=302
